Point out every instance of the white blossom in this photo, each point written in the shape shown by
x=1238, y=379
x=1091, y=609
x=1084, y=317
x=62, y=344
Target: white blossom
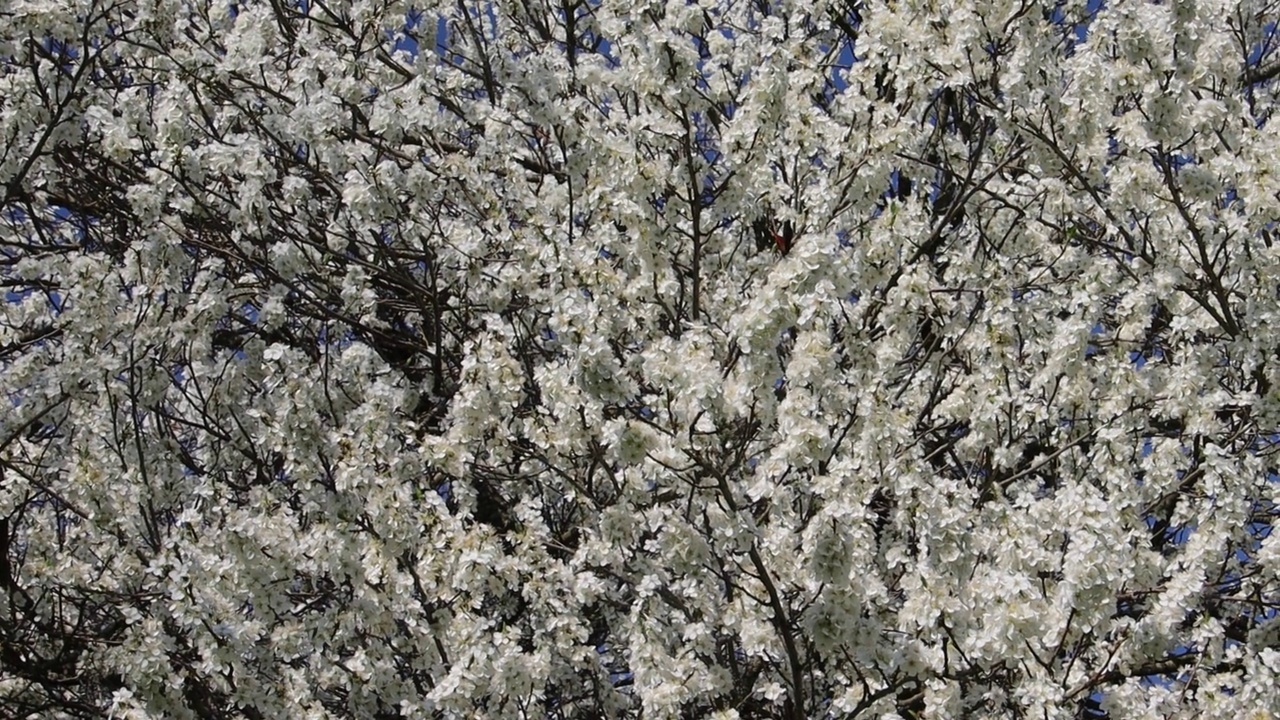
x=713, y=359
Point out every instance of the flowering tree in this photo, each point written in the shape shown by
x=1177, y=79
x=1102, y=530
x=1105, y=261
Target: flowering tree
x=739, y=358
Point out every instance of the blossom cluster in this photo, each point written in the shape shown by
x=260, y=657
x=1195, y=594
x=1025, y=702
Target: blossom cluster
x=599, y=359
